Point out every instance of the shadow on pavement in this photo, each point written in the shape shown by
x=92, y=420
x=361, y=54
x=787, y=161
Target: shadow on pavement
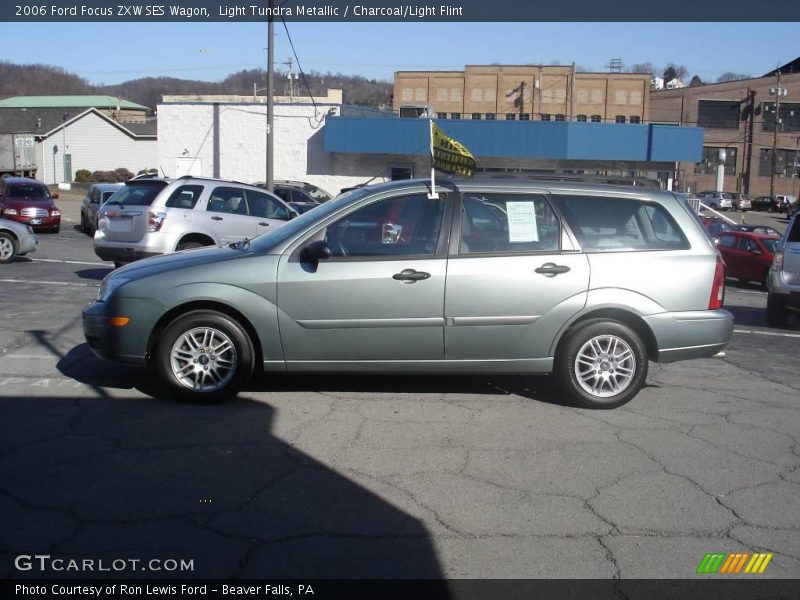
x=113, y=477
x=96, y=274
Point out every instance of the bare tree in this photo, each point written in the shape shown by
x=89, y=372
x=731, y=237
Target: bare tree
x=730, y=76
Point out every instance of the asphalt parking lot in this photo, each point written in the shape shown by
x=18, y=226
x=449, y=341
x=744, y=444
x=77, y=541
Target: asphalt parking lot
x=423, y=477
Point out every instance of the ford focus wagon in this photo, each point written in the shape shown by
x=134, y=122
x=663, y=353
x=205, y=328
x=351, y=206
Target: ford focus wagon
x=589, y=282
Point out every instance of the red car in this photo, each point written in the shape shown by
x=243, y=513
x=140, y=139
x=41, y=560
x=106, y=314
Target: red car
x=748, y=256
x=29, y=201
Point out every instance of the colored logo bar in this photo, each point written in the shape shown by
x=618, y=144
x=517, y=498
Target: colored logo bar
x=735, y=563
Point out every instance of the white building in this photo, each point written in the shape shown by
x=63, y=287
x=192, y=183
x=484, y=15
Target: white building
x=82, y=139
x=225, y=137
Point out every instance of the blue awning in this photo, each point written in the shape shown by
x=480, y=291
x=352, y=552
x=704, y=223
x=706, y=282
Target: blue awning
x=519, y=139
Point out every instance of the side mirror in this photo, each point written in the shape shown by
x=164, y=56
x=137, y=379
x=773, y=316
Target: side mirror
x=293, y=215
x=55, y=196
x=316, y=251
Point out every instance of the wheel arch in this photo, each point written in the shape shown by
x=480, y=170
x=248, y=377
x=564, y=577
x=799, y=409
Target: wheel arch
x=200, y=238
x=211, y=305
x=612, y=313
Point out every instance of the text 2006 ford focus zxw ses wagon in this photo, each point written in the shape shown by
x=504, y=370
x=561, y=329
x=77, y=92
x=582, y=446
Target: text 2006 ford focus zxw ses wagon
x=586, y=281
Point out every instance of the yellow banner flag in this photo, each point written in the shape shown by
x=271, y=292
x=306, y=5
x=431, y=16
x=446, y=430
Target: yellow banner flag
x=450, y=156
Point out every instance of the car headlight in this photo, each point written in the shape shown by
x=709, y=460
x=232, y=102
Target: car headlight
x=55, y=213
x=109, y=286
x=10, y=211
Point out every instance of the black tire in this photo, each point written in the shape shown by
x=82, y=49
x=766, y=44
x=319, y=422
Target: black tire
x=83, y=227
x=173, y=355
x=8, y=248
x=713, y=206
x=189, y=246
x=770, y=210
x=118, y=264
x=776, y=311
x=612, y=336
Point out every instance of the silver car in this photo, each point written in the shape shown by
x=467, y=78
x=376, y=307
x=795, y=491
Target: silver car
x=153, y=215
x=587, y=281
x=783, y=279
x=16, y=239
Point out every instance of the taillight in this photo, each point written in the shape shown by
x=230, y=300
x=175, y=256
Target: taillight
x=155, y=220
x=777, y=259
x=718, y=287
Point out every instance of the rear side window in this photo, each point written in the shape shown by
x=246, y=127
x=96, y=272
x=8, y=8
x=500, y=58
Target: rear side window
x=137, y=195
x=794, y=232
x=185, y=196
x=504, y=223
x=607, y=224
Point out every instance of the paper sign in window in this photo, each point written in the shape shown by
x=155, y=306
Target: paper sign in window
x=522, y=222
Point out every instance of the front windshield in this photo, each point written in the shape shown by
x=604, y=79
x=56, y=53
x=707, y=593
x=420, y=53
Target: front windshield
x=28, y=191
x=267, y=241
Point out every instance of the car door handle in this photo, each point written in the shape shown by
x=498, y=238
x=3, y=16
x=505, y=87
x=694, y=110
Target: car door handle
x=264, y=223
x=410, y=276
x=551, y=269
x=216, y=218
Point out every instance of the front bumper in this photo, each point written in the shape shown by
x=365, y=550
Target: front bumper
x=126, y=345
x=690, y=334
x=36, y=223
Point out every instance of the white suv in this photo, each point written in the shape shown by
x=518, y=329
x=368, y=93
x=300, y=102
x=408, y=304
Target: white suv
x=783, y=281
x=151, y=216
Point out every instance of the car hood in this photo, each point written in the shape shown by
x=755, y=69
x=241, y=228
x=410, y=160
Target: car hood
x=19, y=203
x=18, y=228
x=176, y=261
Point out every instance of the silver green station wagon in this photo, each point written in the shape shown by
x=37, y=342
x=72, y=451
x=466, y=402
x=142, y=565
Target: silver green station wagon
x=589, y=282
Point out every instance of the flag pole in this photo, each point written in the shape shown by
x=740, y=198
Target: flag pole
x=433, y=195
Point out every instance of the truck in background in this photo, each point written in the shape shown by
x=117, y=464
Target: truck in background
x=17, y=154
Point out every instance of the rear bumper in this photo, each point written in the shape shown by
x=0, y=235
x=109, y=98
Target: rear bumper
x=122, y=254
x=691, y=334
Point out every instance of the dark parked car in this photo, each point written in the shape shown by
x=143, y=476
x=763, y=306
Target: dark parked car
x=29, y=201
x=770, y=204
x=96, y=196
x=303, y=207
x=748, y=256
x=297, y=191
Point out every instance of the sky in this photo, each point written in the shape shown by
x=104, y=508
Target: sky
x=104, y=53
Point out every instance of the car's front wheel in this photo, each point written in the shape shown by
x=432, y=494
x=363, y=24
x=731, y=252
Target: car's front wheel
x=204, y=355
x=8, y=247
x=601, y=364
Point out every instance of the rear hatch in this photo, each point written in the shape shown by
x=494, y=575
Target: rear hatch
x=124, y=217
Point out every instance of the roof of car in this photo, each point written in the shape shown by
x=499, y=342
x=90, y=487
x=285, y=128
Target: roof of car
x=23, y=180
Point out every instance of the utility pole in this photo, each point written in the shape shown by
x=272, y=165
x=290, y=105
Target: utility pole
x=777, y=91
x=270, y=92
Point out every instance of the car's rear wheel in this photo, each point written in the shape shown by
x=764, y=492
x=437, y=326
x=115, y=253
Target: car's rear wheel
x=8, y=247
x=601, y=364
x=204, y=355
x=776, y=311
x=189, y=246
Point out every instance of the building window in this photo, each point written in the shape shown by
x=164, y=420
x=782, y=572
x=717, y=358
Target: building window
x=559, y=117
x=708, y=164
x=511, y=116
x=619, y=119
x=581, y=118
x=401, y=171
x=784, y=159
x=545, y=117
x=455, y=115
x=525, y=117
x=476, y=116
x=718, y=114
x=441, y=115
x=597, y=119
x=789, y=117
x=490, y=116
x=636, y=119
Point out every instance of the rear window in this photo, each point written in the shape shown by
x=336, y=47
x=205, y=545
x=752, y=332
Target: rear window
x=137, y=194
x=604, y=224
